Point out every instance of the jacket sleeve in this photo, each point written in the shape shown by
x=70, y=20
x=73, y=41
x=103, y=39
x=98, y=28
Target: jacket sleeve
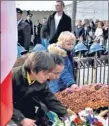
x=52, y=103
x=66, y=77
x=27, y=36
x=31, y=28
x=47, y=26
x=82, y=32
x=69, y=25
x=17, y=116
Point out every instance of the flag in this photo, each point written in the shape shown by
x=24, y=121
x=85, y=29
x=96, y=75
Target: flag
x=8, y=57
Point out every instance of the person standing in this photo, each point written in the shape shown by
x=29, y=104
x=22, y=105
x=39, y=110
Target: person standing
x=44, y=34
x=29, y=21
x=105, y=33
x=37, y=30
x=79, y=29
x=87, y=29
x=99, y=33
x=24, y=30
x=58, y=22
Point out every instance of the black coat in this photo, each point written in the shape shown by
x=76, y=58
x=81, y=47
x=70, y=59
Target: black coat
x=44, y=34
x=24, y=34
x=38, y=29
x=64, y=25
x=26, y=98
x=31, y=25
x=105, y=33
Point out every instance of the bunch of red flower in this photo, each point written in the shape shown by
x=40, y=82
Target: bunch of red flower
x=77, y=99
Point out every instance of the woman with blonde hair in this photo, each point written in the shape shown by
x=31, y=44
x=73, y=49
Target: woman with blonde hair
x=64, y=47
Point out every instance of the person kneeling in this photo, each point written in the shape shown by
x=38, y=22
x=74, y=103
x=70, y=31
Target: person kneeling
x=31, y=95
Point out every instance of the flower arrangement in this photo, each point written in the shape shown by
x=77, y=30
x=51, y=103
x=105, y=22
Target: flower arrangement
x=87, y=118
x=77, y=99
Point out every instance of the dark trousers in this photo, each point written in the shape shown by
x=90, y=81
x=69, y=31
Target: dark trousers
x=37, y=40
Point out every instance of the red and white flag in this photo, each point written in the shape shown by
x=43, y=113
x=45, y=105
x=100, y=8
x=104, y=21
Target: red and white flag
x=8, y=57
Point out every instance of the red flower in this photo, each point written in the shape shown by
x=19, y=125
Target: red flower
x=98, y=123
x=78, y=120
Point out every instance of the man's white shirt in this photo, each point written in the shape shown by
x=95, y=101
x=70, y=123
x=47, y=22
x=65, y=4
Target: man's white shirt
x=18, y=22
x=57, y=20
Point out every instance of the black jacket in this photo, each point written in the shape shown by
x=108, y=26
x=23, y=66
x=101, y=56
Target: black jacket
x=24, y=34
x=31, y=25
x=26, y=98
x=64, y=25
x=105, y=33
x=38, y=28
x=44, y=34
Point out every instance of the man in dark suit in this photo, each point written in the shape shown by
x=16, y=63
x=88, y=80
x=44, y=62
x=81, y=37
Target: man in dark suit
x=24, y=30
x=58, y=22
x=37, y=31
x=29, y=21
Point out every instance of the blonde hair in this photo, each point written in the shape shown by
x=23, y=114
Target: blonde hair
x=53, y=48
x=66, y=36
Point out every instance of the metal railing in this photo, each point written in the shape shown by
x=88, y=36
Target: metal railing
x=87, y=70
x=91, y=70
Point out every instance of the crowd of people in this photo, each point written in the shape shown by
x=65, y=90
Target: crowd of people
x=49, y=68
x=90, y=31
x=48, y=31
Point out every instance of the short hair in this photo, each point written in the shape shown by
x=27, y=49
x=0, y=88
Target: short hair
x=65, y=37
x=62, y=2
x=86, y=21
x=58, y=60
x=39, y=61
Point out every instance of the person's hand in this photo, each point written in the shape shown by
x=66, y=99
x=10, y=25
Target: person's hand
x=81, y=38
x=103, y=113
x=28, y=122
x=32, y=38
x=74, y=86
